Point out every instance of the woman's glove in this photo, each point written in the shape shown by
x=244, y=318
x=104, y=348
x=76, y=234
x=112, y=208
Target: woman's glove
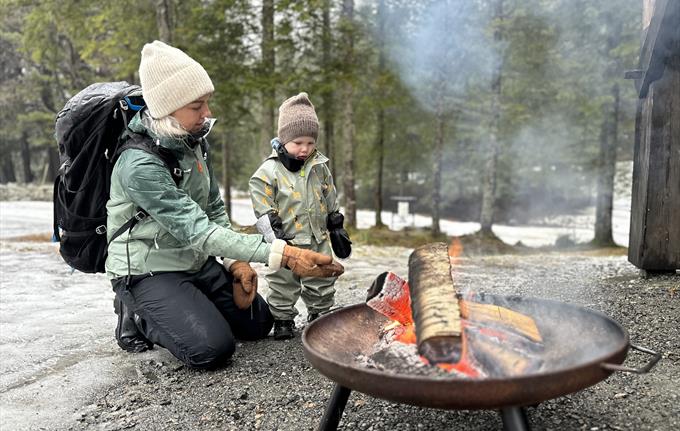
x=307, y=263
x=342, y=246
x=245, y=284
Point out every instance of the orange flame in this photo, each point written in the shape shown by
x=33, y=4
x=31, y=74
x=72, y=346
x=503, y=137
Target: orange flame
x=407, y=335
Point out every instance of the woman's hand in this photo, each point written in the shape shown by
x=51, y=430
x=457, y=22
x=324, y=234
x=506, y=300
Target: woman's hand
x=245, y=284
x=307, y=263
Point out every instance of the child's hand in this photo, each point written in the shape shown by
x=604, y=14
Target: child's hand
x=342, y=246
x=307, y=263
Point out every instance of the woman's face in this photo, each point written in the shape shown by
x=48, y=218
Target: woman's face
x=193, y=115
x=300, y=148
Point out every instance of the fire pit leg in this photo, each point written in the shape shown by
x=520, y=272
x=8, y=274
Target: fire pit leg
x=334, y=408
x=515, y=419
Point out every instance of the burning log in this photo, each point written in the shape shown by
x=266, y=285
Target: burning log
x=496, y=315
x=434, y=303
x=497, y=360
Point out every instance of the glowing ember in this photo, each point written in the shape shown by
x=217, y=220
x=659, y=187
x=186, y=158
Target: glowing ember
x=393, y=300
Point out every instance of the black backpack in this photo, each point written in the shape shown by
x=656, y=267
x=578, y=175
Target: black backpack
x=89, y=131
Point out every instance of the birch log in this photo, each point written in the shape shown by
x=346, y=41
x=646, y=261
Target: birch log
x=434, y=303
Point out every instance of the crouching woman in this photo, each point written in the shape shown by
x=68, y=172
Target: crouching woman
x=170, y=289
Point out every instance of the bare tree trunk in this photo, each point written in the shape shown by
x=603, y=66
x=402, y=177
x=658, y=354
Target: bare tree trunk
x=380, y=158
x=75, y=70
x=328, y=107
x=348, y=141
x=607, y=171
x=380, y=139
x=608, y=141
x=489, y=183
x=268, y=66
x=226, y=174
x=7, y=174
x=53, y=162
x=348, y=114
x=437, y=168
x=164, y=20
x=26, y=159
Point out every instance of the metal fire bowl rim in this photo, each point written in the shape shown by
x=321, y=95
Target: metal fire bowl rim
x=557, y=382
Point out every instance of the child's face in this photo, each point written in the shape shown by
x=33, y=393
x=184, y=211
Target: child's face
x=301, y=147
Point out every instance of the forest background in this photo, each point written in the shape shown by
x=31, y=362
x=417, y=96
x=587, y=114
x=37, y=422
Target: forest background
x=495, y=111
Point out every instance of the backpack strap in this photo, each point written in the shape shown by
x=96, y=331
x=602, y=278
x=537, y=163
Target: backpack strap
x=146, y=143
x=139, y=216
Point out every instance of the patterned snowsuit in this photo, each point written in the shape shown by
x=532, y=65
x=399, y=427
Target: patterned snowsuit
x=302, y=199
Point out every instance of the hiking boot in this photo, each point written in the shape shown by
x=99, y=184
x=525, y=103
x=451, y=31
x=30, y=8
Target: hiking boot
x=128, y=336
x=283, y=329
x=312, y=317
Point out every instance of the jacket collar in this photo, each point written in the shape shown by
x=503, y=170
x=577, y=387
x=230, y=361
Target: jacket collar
x=316, y=158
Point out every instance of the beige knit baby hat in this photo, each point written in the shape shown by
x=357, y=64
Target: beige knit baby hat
x=297, y=118
x=170, y=79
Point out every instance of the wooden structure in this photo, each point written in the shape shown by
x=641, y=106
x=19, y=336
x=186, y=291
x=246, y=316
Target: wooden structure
x=654, y=244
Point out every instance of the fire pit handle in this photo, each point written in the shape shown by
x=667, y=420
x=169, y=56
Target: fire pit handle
x=656, y=357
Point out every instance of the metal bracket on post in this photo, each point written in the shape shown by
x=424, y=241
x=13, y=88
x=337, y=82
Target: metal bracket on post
x=634, y=74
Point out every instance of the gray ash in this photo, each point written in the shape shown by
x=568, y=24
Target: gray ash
x=394, y=357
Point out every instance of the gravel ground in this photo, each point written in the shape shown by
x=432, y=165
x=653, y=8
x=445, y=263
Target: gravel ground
x=270, y=386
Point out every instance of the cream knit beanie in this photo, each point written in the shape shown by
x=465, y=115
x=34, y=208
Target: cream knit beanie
x=297, y=118
x=170, y=79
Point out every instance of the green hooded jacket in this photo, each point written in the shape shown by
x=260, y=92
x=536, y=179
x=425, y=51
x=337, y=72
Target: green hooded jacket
x=186, y=224
x=302, y=199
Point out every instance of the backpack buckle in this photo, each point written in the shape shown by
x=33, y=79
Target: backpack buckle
x=123, y=104
x=177, y=172
x=140, y=215
x=101, y=230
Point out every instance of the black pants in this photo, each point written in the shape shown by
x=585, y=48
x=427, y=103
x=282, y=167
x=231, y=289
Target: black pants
x=193, y=315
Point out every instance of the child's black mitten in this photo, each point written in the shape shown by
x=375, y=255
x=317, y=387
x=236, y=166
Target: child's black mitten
x=342, y=246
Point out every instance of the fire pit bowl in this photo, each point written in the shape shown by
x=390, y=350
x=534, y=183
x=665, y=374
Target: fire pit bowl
x=582, y=347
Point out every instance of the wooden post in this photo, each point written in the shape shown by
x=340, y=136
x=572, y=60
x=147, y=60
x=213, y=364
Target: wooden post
x=655, y=213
